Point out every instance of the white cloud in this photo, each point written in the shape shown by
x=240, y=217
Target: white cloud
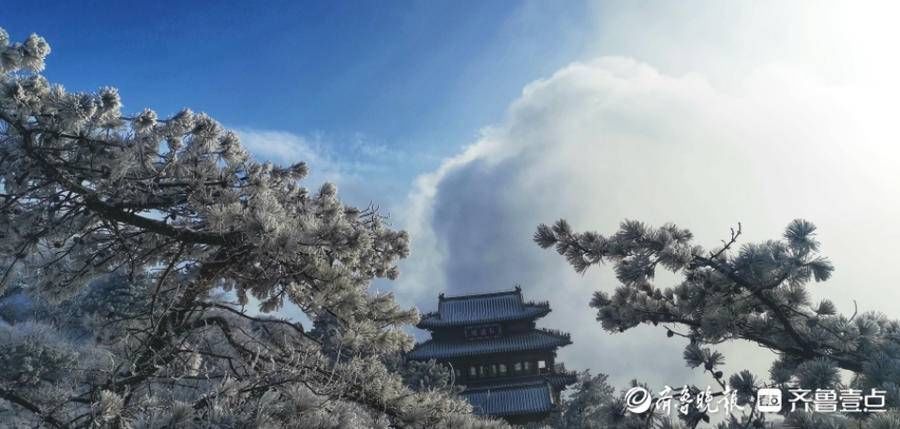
x=610, y=139
x=364, y=170
x=283, y=148
x=757, y=112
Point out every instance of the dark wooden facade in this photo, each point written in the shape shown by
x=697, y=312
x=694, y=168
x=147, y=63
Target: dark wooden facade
x=495, y=349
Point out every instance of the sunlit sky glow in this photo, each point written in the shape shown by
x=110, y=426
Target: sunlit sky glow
x=470, y=123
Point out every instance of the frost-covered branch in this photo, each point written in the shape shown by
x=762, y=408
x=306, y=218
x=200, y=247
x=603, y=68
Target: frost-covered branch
x=756, y=292
x=127, y=236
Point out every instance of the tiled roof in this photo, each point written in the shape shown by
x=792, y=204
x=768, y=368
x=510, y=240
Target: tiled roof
x=511, y=400
x=538, y=339
x=483, y=308
x=561, y=379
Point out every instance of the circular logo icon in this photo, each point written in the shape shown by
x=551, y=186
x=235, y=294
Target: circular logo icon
x=637, y=400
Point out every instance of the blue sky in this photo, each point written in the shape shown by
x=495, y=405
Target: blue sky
x=418, y=78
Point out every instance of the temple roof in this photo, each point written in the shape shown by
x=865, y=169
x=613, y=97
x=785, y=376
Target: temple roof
x=561, y=380
x=483, y=308
x=511, y=400
x=538, y=339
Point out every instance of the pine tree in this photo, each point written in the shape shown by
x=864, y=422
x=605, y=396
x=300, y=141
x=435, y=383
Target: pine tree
x=144, y=238
x=757, y=292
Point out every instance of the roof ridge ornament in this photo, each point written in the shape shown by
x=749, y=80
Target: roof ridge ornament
x=515, y=290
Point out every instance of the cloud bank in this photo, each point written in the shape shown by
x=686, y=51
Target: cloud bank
x=613, y=138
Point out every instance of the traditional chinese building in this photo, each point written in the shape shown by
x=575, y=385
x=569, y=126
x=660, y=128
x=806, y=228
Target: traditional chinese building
x=491, y=342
